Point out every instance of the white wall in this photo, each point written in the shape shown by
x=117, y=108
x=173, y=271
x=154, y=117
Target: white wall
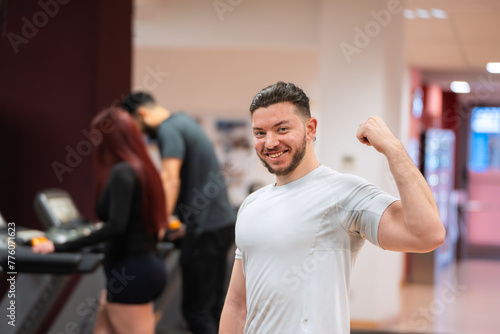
x=354, y=86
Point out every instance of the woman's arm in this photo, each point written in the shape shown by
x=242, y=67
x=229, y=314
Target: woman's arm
x=121, y=185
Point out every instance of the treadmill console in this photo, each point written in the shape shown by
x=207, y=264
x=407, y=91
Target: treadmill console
x=60, y=216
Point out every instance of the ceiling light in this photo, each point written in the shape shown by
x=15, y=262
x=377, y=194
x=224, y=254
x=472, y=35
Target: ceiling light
x=422, y=13
x=460, y=87
x=425, y=14
x=493, y=67
x=439, y=13
x=408, y=14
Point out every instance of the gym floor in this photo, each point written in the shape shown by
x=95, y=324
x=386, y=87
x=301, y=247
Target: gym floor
x=471, y=307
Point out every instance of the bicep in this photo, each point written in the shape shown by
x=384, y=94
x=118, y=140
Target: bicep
x=393, y=233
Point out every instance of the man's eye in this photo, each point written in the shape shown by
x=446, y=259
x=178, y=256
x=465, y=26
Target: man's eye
x=282, y=129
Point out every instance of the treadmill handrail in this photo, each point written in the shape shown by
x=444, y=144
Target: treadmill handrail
x=90, y=262
x=53, y=263
x=164, y=248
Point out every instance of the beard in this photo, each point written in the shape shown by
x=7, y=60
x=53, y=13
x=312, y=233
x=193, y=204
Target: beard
x=296, y=159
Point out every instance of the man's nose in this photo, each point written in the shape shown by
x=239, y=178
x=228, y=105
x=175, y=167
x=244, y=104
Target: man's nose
x=271, y=141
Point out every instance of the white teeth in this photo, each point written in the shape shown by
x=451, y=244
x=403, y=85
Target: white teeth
x=275, y=155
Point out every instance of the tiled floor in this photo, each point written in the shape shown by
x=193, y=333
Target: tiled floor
x=465, y=301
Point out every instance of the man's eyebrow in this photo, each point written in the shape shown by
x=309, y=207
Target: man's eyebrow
x=274, y=126
x=281, y=123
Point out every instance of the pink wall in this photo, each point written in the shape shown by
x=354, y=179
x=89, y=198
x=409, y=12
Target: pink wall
x=211, y=81
x=484, y=209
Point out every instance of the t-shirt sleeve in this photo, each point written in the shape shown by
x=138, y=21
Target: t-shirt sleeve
x=238, y=254
x=361, y=206
x=121, y=187
x=171, y=142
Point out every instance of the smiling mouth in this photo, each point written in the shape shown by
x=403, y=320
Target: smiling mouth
x=277, y=154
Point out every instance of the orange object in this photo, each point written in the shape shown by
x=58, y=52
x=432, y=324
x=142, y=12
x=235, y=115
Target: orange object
x=38, y=240
x=174, y=224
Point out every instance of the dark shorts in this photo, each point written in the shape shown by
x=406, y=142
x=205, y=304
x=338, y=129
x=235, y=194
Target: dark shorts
x=135, y=280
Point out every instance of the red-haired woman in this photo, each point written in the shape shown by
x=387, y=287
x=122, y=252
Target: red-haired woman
x=130, y=200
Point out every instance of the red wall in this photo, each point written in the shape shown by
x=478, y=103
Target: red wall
x=59, y=66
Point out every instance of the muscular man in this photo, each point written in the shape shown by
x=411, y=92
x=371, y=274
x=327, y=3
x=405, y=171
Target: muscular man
x=316, y=218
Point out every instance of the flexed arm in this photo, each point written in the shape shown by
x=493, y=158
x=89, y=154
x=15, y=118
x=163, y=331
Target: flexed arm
x=412, y=224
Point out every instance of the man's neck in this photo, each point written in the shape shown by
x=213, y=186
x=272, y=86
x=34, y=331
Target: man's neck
x=161, y=114
x=302, y=170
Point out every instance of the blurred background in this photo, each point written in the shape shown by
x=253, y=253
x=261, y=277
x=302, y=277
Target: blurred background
x=422, y=65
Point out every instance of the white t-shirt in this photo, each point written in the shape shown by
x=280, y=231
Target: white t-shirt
x=298, y=243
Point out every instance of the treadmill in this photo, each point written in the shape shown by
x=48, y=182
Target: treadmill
x=63, y=222
x=34, y=286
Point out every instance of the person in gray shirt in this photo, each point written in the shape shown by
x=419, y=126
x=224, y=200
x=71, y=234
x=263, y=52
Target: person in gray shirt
x=196, y=192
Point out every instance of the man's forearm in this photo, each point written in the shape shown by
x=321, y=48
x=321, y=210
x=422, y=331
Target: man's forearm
x=420, y=211
x=414, y=223
x=172, y=188
x=233, y=319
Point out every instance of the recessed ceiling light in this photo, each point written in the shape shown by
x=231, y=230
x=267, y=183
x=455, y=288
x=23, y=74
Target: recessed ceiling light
x=493, y=67
x=409, y=14
x=439, y=13
x=460, y=87
x=422, y=13
x=425, y=14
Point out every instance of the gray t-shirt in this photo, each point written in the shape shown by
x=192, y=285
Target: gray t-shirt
x=298, y=243
x=203, y=203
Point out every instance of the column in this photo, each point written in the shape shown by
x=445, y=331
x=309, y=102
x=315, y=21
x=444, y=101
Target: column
x=362, y=73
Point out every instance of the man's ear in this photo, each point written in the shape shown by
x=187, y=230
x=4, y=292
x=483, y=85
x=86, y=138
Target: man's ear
x=311, y=126
x=143, y=112
x=144, y=115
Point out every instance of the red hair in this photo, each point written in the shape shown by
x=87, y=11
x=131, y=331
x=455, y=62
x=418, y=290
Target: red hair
x=122, y=141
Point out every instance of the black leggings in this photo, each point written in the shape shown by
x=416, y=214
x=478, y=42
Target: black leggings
x=135, y=280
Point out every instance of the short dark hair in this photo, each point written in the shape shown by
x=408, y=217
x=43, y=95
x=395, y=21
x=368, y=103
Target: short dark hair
x=134, y=100
x=282, y=92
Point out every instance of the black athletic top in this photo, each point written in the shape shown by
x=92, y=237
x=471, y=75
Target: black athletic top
x=119, y=207
x=203, y=203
